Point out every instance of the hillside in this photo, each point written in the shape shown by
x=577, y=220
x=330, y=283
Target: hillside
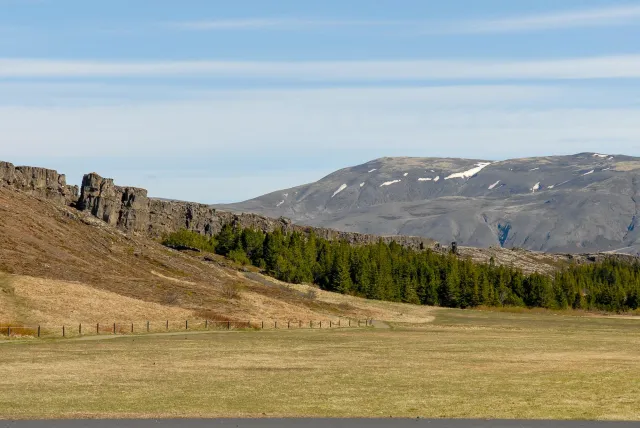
x=563, y=204
x=59, y=265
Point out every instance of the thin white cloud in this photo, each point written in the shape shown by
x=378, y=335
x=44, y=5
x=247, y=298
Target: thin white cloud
x=616, y=15
x=595, y=17
x=274, y=24
x=605, y=67
x=65, y=94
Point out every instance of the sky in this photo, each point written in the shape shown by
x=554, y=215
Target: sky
x=220, y=101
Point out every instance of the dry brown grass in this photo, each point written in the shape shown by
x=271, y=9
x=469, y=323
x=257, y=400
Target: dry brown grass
x=51, y=302
x=466, y=364
x=72, y=269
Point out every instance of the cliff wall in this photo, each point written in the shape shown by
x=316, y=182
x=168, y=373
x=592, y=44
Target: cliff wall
x=40, y=182
x=131, y=210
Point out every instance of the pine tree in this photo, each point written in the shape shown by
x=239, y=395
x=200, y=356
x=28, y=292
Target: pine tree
x=227, y=240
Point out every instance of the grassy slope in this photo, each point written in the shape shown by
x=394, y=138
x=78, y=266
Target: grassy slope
x=64, y=268
x=464, y=364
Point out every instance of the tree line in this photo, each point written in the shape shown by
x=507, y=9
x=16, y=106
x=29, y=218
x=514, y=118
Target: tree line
x=391, y=272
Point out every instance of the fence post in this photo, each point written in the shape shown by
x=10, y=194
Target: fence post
x=288, y=324
x=80, y=329
x=62, y=331
x=262, y=325
x=349, y=322
x=114, y=328
x=228, y=325
x=97, y=328
x=167, y=324
x=339, y=322
x=206, y=324
x=147, y=326
x=320, y=324
x=330, y=323
x=38, y=331
x=131, y=327
x=310, y=324
x=300, y=326
x=358, y=323
x=275, y=324
x=186, y=324
x=8, y=331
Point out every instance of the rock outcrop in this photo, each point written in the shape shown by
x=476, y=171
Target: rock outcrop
x=40, y=182
x=131, y=210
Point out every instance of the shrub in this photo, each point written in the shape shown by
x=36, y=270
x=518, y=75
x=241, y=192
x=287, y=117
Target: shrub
x=239, y=256
x=231, y=290
x=188, y=239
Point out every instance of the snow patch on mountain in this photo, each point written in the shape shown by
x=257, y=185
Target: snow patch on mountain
x=371, y=170
x=598, y=155
x=425, y=179
x=590, y=172
x=340, y=189
x=493, y=186
x=389, y=183
x=469, y=173
x=536, y=187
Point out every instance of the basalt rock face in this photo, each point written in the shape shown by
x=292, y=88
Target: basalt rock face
x=131, y=210
x=40, y=182
x=123, y=207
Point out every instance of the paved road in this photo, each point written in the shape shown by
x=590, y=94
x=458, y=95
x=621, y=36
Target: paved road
x=312, y=423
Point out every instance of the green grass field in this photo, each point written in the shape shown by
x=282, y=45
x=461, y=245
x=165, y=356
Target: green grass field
x=466, y=364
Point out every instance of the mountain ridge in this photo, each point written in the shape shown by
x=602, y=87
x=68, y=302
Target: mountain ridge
x=575, y=203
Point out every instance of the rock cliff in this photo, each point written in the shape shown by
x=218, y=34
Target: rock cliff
x=131, y=210
x=40, y=182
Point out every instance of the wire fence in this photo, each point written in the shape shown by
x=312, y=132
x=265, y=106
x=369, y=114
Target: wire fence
x=147, y=327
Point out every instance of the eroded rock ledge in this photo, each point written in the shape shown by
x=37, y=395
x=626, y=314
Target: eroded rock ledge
x=40, y=182
x=131, y=210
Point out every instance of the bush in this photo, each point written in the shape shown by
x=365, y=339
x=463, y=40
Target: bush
x=188, y=239
x=231, y=290
x=239, y=256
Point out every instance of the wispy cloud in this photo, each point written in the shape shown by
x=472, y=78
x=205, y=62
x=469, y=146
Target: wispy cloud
x=607, y=67
x=592, y=17
x=274, y=24
x=600, y=17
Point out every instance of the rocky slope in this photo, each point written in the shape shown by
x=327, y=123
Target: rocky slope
x=61, y=266
x=130, y=210
x=581, y=203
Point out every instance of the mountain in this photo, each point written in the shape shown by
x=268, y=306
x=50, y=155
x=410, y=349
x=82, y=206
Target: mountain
x=586, y=202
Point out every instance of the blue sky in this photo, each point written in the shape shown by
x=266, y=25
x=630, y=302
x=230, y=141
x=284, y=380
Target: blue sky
x=220, y=101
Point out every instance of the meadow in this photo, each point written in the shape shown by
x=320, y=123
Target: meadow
x=463, y=364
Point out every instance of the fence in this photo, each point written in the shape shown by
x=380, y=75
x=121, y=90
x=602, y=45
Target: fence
x=145, y=327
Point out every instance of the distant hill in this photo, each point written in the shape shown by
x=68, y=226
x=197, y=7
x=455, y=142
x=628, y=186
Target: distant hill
x=586, y=202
